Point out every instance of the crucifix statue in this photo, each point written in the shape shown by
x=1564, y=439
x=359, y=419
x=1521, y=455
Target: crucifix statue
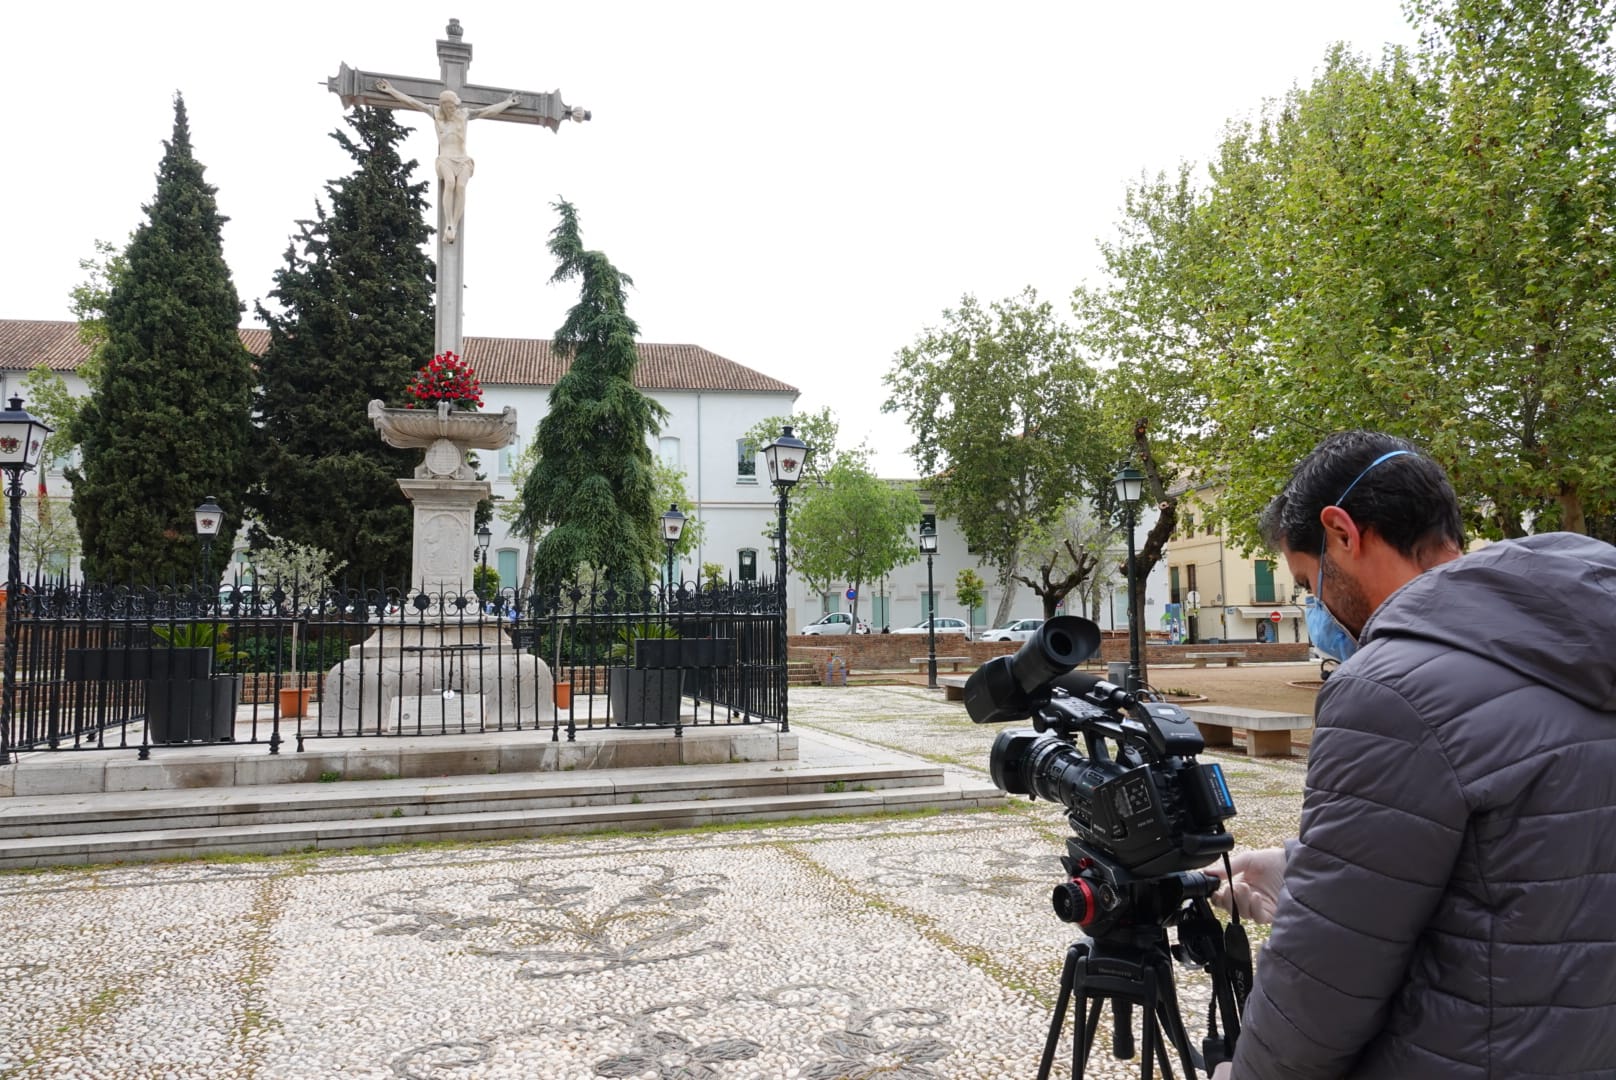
x=453, y=104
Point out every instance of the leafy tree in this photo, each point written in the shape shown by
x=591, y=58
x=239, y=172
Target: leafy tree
x=670, y=487
x=1003, y=411
x=289, y=565
x=1069, y=554
x=851, y=527
x=970, y=590
x=1421, y=244
x=167, y=424
x=354, y=322
x=593, y=484
x=819, y=430
x=49, y=537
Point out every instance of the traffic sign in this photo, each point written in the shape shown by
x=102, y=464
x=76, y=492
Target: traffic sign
x=1275, y=617
x=852, y=594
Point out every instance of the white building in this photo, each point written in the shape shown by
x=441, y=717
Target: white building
x=711, y=403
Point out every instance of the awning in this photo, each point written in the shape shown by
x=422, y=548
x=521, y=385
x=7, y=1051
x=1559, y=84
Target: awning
x=1286, y=611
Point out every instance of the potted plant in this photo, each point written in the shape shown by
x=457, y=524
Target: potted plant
x=310, y=572
x=643, y=695
x=194, y=708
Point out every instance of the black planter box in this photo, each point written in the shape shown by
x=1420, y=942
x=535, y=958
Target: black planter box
x=192, y=710
x=644, y=698
x=684, y=652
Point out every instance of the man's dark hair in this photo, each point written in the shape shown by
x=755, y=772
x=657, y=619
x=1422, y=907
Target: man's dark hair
x=1407, y=499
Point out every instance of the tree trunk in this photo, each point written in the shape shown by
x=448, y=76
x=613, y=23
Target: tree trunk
x=1572, y=517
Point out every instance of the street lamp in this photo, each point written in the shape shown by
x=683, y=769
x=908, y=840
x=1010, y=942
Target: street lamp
x=21, y=439
x=928, y=548
x=485, y=537
x=1130, y=485
x=209, y=516
x=673, y=526
x=785, y=457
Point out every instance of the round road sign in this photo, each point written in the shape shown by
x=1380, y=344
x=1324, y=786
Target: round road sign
x=1275, y=617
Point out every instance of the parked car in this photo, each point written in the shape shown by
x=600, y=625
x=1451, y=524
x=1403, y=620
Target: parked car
x=837, y=622
x=1020, y=630
x=944, y=626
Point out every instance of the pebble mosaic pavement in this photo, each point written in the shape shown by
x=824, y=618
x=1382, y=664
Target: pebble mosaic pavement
x=900, y=948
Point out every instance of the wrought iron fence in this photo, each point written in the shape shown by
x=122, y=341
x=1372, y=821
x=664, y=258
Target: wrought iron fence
x=97, y=667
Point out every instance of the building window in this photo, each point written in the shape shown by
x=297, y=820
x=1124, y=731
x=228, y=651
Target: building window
x=506, y=560
x=747, y=560
x=668, y=451
x=507, y=461
x=745, y=463
x=928, y=604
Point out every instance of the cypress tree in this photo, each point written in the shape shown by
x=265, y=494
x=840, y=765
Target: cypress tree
x=594, y=485
x=354, y=322
x=167, y=423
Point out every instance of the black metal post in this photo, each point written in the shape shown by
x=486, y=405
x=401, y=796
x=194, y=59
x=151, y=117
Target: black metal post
x=670, y=564
x=1133, y=612
x=931, y=629
x=780, y=584
x=8, y=693
x=207, y=563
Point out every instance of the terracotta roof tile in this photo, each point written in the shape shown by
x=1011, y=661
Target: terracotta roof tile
x=25, y=344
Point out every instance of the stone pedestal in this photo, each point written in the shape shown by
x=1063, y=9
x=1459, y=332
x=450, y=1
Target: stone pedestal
x=402, y=677
x=442, y=559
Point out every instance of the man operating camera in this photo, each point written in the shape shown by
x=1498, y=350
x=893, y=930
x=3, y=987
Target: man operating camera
x=1446, y=910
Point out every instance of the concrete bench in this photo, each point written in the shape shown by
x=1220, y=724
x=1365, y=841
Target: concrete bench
x=953, y=686
x=1230, y=659
x=955, y=660
x=1268, y=734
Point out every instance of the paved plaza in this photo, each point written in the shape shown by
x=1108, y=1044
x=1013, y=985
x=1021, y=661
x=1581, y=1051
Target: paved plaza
x=897, y=947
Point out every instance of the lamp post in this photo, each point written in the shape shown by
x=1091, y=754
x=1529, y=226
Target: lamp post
x=1130, y=484
x=673, y=527
x=785, y=456
x=928, y=548
x=209, y=516
x=21, y=439
x=485, y=537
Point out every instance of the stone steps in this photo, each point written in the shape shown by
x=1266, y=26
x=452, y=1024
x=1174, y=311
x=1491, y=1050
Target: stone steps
x=117, y=826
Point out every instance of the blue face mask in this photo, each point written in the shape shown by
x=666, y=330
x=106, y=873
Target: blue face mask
x=1326, y=632
x=1323, y=628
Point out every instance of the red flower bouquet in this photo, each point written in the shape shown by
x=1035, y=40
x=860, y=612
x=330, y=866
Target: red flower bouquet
x=446, y=378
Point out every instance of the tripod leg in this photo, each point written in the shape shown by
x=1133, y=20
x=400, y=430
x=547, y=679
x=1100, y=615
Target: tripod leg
x=1067, y=980
x=1173, y=1024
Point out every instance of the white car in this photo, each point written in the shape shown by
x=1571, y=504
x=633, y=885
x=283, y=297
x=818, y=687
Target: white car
x=1020, y=630
x=837, y=622
x=944, y=626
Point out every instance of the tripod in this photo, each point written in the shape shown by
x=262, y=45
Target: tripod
x=1133, y=966
x=1127, y=974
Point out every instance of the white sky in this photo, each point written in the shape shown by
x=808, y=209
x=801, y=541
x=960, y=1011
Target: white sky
x=801, y=188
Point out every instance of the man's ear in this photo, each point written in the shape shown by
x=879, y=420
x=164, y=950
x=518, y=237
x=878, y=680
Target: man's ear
x=1341, y=531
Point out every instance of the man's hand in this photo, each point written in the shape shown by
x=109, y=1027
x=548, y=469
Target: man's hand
x=1224, y=1071
x=1258, y=876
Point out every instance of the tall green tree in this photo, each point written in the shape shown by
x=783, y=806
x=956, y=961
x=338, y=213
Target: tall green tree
x=1002, y=407
x=850, y=527
x=593, y=485
x=353, y=321
x=1421, y=243
x=167, y=424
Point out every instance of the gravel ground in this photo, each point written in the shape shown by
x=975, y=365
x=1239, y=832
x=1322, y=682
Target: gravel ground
x=906, y=947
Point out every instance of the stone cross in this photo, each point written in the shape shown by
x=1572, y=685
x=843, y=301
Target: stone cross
x=453, y=103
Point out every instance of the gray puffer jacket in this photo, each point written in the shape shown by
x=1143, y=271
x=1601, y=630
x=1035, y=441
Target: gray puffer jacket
x=1450, y=905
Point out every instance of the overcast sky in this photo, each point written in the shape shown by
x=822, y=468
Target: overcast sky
x=801, y=188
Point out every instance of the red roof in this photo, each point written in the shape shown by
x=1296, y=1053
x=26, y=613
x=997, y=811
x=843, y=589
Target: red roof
x=26, y=344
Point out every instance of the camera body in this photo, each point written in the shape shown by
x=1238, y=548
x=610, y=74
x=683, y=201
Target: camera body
x=1144, y=813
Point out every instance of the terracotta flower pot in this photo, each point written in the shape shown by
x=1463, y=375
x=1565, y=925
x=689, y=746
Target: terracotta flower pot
x=295, y=702
x=563, y=695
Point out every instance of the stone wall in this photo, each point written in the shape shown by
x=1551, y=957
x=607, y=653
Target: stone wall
x=888, y=652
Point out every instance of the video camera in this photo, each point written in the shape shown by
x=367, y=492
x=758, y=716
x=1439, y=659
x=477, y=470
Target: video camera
x=1145, y=817
x=1140, y=806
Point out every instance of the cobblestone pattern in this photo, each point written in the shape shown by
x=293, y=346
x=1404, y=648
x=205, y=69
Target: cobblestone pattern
x=914, y=948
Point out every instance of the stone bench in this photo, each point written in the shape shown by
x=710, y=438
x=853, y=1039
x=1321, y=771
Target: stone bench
x=955, y=660
x=1230, y=659
x=953, y=686
x=1268, y=734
